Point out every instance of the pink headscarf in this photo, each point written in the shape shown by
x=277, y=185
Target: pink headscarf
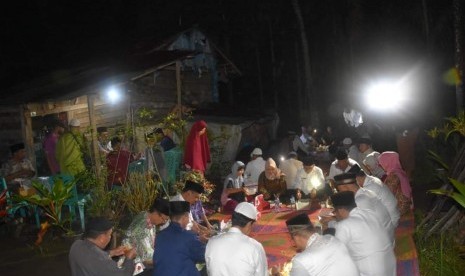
x=390, y=162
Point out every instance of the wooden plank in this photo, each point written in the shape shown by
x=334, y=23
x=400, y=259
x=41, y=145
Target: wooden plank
x=95, y=150
x=178, y=87
x=28, y=138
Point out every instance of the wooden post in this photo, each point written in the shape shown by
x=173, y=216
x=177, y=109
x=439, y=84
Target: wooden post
x=26, y=127
x=93, y=128
x=178, y=87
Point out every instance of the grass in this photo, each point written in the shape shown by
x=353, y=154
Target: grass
x=439, y=254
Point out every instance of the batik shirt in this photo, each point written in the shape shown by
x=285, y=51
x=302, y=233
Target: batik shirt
x=141, y=234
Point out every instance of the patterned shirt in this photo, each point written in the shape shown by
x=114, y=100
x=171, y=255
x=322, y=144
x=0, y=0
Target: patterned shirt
x=141, y=234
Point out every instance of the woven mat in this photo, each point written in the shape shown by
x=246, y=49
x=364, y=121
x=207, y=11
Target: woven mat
x=270, y=230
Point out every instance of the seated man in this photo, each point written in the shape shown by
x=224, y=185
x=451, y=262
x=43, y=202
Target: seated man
x=178, y=250
x=234, y=252
x=319, y=255
x=117, y=164
x=290, y=167
x=18, y=170
x=366, y=200
x=368, y=242
x=87, y=256
x=271, y=183
x=141, y=233
x=310, y=180
x=165, y=141
x=342, y=164
x=191, y=193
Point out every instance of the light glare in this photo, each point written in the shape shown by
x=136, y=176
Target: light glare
x=385, y=96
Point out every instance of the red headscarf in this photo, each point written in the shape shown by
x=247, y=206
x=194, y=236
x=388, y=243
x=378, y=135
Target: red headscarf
x=197, y=151
x=390, y=162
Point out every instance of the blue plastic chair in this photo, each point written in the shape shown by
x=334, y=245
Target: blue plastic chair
x=76, y=201
x=14, y=207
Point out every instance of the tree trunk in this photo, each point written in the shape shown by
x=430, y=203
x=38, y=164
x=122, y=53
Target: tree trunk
x=458, y=28
x=273, y=66
x=307, y=68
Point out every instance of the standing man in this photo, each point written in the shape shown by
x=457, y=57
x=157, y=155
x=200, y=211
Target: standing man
x=319, y=255
x=70, y=150
x=88, y=258
x=50, y=142
x=255, y=166
x=165, y=141
x=117, y=164
x=18, y=170
x=367, y=241
x=178, y=250
x=234, y=253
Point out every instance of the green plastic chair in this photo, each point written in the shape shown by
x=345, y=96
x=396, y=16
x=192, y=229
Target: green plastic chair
x=15, y=207
x=76, y=201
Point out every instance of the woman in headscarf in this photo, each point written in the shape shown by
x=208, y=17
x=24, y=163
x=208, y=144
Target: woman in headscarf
x=396, y=180
x=197, y=150
x=271, y=182
x=374, y=169
x=233, y=191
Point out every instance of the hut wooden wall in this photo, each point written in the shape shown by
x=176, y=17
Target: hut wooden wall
x=10, y=129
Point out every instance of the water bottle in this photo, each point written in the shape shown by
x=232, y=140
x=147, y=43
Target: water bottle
x=276, y=204
x=293, y=202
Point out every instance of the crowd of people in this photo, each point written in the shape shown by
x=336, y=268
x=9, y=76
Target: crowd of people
x=368, y=190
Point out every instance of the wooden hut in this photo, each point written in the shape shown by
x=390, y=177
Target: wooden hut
x=184, y=69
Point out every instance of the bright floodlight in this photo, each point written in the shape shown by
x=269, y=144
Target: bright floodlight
x=385, y=96
x=113, y=95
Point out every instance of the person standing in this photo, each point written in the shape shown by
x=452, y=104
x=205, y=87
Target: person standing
x=117, y=164
x=50, y=143
x=70, y=150
x=197, y=150
x=234, y=253
x=104, y=146
x=88, y=258
x=319, y=254
x=178, y=250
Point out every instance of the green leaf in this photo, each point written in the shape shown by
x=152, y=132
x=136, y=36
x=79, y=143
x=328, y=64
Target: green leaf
x=438, y=159
x=458, y=185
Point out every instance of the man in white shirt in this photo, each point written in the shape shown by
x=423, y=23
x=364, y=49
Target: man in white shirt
x=309, y=180
x=234, y=253
x=342, y=164
x=364, y=148
x=319, y=255
x=290, y=167
x=255, y=167
x=367, y=241
x=366, y=199
x=383, y=193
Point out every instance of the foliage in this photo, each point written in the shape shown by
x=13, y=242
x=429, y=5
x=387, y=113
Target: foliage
x=218, y=143
x=453, y=130
x=51, y=200
x=197, y=177
x=459, y=196
x=439, y=256
x=138, y=193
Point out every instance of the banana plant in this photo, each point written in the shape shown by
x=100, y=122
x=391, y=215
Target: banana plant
x=458, y=195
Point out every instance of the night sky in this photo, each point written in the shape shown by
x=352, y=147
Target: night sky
x=351, y=43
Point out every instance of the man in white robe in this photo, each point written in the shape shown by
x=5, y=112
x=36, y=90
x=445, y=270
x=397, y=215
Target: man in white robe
x=367, y=241
x=342, y=164
x=254, y=168
x=309, y=180
x=290, y=167
x=366, y=199
x=320, y=255
x=234, y=253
